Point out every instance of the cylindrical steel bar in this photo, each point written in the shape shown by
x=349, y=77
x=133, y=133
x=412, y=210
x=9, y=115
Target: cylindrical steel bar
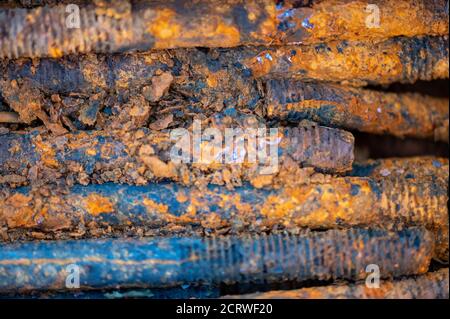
x=407, y=114
x=156, y=209
x=423, y=169
x=140, y=156
x=403, y=60
x=161, y=262
x=111, y=91
x=141, y=25
x=432, y=285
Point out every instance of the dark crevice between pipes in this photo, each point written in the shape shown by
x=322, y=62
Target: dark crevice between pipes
x=384, y=146
x=436, y=88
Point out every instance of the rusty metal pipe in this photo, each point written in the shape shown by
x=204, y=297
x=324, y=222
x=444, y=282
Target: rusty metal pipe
x=407, y=114
x=165, y=262
x=101, y=90
x=140, y=156
x=422, y=169
x=120, y=26
x=407, y=168
x=432, y=285
x=155, y=209
x=404, y=60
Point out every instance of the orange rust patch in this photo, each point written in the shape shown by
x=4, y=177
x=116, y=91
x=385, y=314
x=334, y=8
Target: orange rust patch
x=47, y=154
x=19, y=213
x=164, y=25
x=155, y=207
x=91, y=152
x=97, y=204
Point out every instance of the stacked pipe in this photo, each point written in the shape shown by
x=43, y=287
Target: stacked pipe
x=94, y=97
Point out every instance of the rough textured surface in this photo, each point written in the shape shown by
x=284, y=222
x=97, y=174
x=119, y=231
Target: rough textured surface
x=118, y=26
x=429, y=286
x=403, y=60
x=183, y=292
x=175, y=261
x=412, y=170
x=143, y=155
x=130, y=91
x=167, y=208
x=90, y=117
x=406, y=114
x=408, y=168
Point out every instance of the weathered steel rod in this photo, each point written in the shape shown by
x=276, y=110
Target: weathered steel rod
x=420, y=169
x=161, y=262
x=142, y=25
x=403, y=60
x=434, y=285
x=140, y=156
x=109, y=91
x=155, y=209
x=398, y=59
x=407, y=114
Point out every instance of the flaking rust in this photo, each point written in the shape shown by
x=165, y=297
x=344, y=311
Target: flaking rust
x=145, y=155
x=406, y=114
x=128, y=91
x=154, y=209
x=433, y=285
x=165, y=262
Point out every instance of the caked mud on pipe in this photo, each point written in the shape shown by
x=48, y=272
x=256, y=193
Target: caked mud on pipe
x=167, y=208
x=128, y=91
x=245, y=151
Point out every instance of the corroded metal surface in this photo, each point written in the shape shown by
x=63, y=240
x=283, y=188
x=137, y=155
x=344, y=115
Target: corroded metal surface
x=153, y=146
x=140, y=156
x=403, y=60
x=128, y=91
x=154, y=209
x=422, y=169
x=117, y=26
x=407, y=114
x=173, y=261
x=406, y=168
x=432, y=285
x=184, y=292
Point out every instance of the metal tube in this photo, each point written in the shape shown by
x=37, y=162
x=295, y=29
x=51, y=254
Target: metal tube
x=158, y=209
x=165, y=262
x=141, y=156
x=106, y=91
x=142, y=25
x=407, y=114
